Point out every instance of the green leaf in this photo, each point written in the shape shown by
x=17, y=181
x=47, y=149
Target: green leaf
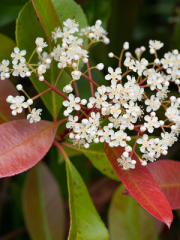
x=85, y=221
x=28, y=28
x=69, y=9
x=95, y=10
x=95, y=153
x=128, y=220
x=47, y=16
x=43, y=206
x=9, y=10
x=6, y=47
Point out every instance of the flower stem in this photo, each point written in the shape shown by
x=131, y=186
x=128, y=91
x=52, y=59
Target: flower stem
x=90, y=76
x=41, y=94
x=90, y=80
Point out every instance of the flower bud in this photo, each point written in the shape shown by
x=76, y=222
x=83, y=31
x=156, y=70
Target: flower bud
x=7, y=75
x=111, y=55
x=19, y=87
x=100, y=66
x=143, y=163
x=126, y=46
x=39, y=49
x=83, y=101
x=28, y=74
x=41, y=78
x=30, y=101
x=48, y=61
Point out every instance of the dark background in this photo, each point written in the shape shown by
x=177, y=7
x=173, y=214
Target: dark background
x=135, y=21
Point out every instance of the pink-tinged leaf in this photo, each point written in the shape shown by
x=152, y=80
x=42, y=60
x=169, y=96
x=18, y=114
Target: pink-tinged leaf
x=23, y=144
x=6, y=89
x=167, y=174
x=43, y=206
x=142, y=186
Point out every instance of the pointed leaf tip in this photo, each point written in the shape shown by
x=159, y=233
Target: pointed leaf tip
x=142, y=186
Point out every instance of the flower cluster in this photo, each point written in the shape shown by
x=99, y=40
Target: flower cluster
x=130, y=102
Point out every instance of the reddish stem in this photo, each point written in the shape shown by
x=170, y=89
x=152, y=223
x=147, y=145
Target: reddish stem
x=135, y=144
x=56, y=90
x=142, y=82
x=90, y=76
x=58, y=77
x=41, y=94
x=90, y=80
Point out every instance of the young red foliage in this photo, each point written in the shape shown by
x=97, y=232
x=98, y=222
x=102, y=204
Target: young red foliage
x=166, y=174
x=24, y=144
x=6, y=89
x=142, y=186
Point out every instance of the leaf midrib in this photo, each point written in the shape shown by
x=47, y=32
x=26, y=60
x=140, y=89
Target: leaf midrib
x=29, y=139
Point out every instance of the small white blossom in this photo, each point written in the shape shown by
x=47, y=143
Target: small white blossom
x=155, y=44
x=72, y=104
x=34, y=116
x=17, y=103
x=18, y=56
x=113, y=75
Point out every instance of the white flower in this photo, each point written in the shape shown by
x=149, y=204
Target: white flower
x=71, y=25
x=17, y=55
x=72, y=104
x=76, y=75
x=129, y=63
x=94, y=118
x=40, y=42
x=113, y=75
x=98, y=101
x=17, y=103
x=119, y=138
x=145, y=143
x=153, y=104
x=56, y=34
x=152, y=122
x=115, y=110
x=72, y=121
x=168, y=60
x=4, y=68
x=126, y=163
x=98, y=31
x=41, y=69
x=155, y=44
x=155, y=81
x=20, y=69
x=105, y=134
x=57, y=52
x=34, y=116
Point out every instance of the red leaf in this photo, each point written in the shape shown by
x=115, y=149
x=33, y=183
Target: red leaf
x=23, y=144
x=167, y=174
x=142, y=186
x=6, y=89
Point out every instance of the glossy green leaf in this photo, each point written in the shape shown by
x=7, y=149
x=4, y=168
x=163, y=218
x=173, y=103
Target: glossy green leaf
x=95, y=153
x=43, y=206
x=70, y=9
x=85, y=221
x=47, y=16
x=95, y=10
x=27, y=30
x=128, y=220
x=6, y=47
